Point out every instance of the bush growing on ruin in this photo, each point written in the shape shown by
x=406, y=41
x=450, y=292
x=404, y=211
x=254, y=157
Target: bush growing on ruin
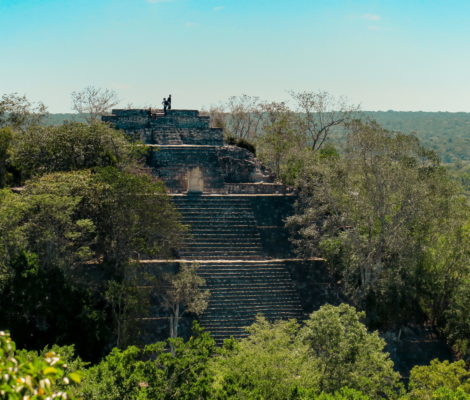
x=243, y=143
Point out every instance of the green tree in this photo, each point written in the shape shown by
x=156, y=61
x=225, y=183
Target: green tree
x=346, y=354
x=319, y=114
x=446, y=267
x=279, y=143
x=457, y=319
x=439, y=380
x=55, y=229
x=133, y=215
x=342, y=394
x=18, y=113
x=23, y=376
x=6, y=136
x=128, y=301
x=71, y=241
x=374, y=212
x=73, y=146
x=181, y=293
x=269, y=364
x=12, y=239
x=331, y=352
x=153, y=372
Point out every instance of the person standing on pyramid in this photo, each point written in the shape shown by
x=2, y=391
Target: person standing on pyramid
x=165, y=105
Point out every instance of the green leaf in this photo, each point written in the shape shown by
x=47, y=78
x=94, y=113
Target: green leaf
x=76, y=377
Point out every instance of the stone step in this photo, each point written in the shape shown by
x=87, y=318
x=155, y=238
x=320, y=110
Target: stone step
x=223, y=237
x=248, y=273
x=246, y=286
x=247, y=242
x=232, y=249
x=227, y=331
x=222, y=257
x=239, y=280
x=204, y=247
x=221, y=228
x=222, y=217
x=252, y=245
x=232, y=321
x=228, y=223
x=209, y=219
x=205, y=231
x=250, y=293
x=251, y=303
x=232, y=290
x=216, y=209
x=248, y=315
x=212, y=204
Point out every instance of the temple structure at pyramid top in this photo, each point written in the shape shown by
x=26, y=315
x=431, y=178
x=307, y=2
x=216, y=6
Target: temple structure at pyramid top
x=190, y=156
x=174, y=127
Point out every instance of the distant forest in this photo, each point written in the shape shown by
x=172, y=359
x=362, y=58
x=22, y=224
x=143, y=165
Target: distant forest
x=446, y=133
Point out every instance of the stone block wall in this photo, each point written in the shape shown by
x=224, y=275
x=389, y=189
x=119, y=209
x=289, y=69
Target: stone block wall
x=173, y=164
x=174, y=127
x=270, y=214
x=182, y=140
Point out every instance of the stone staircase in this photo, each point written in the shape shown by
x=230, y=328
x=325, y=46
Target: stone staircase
x=242, y=281
x=241, y=290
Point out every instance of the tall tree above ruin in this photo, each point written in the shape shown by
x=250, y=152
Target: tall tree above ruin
x=92, y=102
x=319, y=113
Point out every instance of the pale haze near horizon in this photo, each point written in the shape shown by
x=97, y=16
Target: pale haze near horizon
x=403, y=55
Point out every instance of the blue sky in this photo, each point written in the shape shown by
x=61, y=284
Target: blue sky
x=384, y=54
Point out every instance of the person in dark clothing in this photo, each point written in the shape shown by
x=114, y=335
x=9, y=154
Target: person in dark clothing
x=169, y=101
x=165, y=105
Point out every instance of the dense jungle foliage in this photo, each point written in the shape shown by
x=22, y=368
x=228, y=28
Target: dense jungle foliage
x=78, y=209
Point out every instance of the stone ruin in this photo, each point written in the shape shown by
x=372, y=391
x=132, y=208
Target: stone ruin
x=236, y=214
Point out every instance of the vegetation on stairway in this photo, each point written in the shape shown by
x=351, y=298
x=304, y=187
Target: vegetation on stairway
x=331, y=356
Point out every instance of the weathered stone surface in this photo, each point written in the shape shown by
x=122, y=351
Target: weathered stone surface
x=174, y=127
x=236, y=212
x=182, y=140
x=173, y=164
